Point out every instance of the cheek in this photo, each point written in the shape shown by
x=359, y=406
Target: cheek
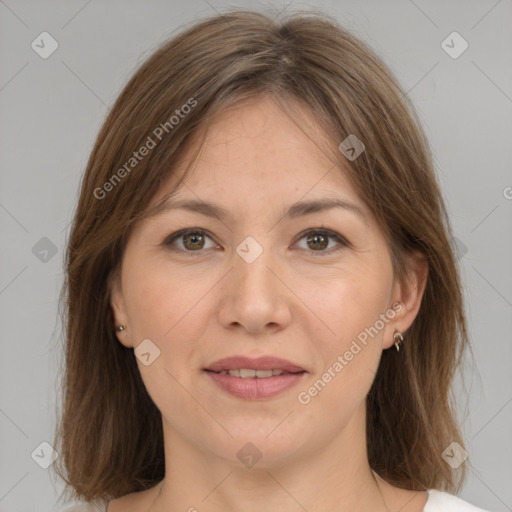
x=350, y=334
x=166, y=308
x=148, y=307
x=155, y=299
x=349, y=350
x=349, y=301
x=160, y=309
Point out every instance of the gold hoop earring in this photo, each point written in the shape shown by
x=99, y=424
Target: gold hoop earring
x=398, y=338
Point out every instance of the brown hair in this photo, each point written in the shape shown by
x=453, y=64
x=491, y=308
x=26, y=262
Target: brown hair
x=109, y=434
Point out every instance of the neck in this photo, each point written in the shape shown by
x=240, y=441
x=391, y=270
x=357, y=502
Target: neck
x=334, y=476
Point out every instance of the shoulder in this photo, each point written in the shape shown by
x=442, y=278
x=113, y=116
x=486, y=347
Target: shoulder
x=440, y=501
x=98, y=505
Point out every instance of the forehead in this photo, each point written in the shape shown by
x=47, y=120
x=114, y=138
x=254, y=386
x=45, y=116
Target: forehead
x=256, y=150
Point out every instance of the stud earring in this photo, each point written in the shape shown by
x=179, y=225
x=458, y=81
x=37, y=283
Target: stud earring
x=398, y=338
x=121, y=328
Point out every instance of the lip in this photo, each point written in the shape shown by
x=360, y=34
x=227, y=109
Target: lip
x=259, y=363
x=255, y=388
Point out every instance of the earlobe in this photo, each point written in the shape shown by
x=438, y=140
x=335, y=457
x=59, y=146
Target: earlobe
x=409, y=293
x=118, y=309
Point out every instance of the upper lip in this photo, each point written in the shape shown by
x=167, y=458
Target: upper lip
x=259, y=363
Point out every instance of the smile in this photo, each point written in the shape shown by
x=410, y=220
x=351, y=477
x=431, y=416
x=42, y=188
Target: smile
x=246, y=373
x=250, y=384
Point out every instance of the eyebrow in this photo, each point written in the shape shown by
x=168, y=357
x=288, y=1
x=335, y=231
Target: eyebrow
x=296, y=210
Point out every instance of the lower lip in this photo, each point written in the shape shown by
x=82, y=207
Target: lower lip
x=255, y=388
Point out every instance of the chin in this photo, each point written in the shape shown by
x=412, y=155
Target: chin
x=257, y=449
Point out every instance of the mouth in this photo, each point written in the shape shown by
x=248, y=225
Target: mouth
x=254, y=379
x=247, y=366
x=250, y=373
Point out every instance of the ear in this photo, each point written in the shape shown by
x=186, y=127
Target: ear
x=118, y=308
x=407, y=295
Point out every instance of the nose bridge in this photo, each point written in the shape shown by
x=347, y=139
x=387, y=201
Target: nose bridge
x=253, y=261
x=255, y=297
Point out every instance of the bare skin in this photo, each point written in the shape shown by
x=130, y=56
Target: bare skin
x=395, y=499
x=291, y=302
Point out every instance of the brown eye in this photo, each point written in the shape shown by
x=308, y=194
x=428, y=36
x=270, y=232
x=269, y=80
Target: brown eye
x=188, y=240
x=193, y=241
x=318, y=240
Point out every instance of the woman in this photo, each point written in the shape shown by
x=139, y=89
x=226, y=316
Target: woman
x=263, y=307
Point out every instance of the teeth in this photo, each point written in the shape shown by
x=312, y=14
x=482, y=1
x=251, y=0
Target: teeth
x=246, y=373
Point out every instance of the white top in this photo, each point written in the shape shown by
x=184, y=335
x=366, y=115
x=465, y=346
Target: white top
x=437, y=501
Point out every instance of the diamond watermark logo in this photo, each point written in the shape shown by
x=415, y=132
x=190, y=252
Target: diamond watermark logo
x=44, y=455
x=44, y=45
x=249, y=455
x=249, y=250
x=351, y=147
x=454, y=455
x=44, y=250
x=146, y=352
x=459, y=247
x=454, y=45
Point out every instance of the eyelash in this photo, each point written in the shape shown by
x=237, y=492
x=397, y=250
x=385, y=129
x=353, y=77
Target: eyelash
x=343, y=243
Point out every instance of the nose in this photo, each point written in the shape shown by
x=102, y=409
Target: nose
x=255, y=297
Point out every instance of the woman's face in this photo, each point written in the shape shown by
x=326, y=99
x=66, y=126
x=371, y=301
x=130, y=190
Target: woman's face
x=267, y=277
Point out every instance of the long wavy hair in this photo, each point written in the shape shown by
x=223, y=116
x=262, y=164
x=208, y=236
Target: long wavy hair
x=109, y=432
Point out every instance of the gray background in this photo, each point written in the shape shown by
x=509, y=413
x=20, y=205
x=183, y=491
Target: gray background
x=52, y=109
